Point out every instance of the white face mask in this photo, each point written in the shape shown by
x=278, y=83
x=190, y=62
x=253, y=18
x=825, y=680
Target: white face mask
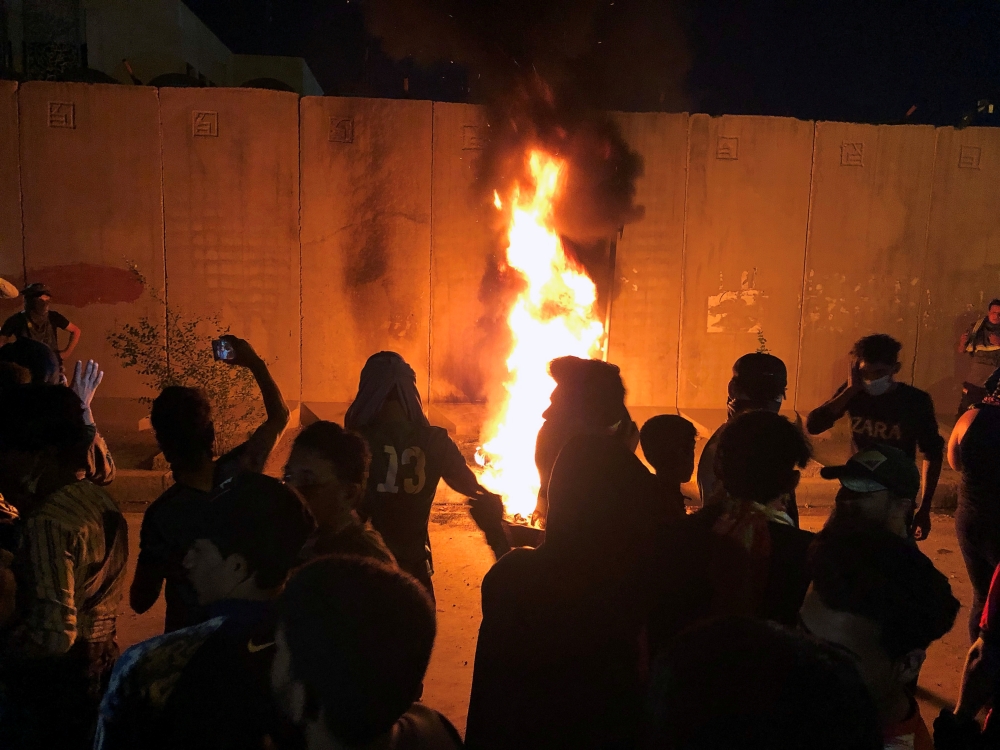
x=878, y=387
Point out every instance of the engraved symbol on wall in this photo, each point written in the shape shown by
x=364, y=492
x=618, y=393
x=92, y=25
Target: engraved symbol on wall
x=969, y=157
x=204, y=124
x=728, y=148
x=62, y=115
x=341, y=130
x=473, y=138
x=852, y=154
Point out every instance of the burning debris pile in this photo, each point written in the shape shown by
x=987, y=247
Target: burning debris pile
x=559, y=180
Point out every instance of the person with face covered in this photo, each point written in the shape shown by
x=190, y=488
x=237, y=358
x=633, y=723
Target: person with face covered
x=759, y=382
x=883, y=411
x=409, y=458
x=40, y=323
x=982, y=343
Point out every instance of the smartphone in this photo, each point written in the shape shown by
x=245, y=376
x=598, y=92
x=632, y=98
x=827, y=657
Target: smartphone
x=223, y=350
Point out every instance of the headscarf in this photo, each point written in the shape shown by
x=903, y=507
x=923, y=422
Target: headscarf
x=383, y=374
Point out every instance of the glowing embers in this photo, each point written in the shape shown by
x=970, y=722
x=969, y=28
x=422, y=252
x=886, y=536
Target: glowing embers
x=553, y=316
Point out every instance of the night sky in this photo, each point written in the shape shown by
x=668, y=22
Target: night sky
x=852, y=60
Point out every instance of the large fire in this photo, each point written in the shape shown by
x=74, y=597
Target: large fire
x=553, y=317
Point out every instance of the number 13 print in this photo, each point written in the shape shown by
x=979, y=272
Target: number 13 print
x=410, y=456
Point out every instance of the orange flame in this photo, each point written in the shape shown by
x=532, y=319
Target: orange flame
x=553, y=317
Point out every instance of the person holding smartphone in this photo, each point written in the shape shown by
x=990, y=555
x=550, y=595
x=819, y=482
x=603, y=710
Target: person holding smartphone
x=185, y=432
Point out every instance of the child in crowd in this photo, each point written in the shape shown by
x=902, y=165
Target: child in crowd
x=668, y=442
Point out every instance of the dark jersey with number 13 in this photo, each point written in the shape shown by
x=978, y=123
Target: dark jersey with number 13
x=408, y=460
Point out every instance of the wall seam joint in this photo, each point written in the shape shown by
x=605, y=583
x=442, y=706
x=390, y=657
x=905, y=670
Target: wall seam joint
x=927, y=249
x=684, y=238
x=805, y=268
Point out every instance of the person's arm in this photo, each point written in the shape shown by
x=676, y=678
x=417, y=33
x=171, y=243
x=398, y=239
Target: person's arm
x=74, y=338
x=932, y=446
x=957, y=434
x=822, y=418
x=485, y=507
x=260, y=444
x=100, y=464
x=150, y=570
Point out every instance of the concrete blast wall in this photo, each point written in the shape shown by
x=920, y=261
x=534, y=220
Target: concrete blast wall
x=326, y=229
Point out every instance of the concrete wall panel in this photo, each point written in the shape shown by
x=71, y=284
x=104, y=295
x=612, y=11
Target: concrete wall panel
x=464, y=351
x=962, y=271
x=90, y=176
x=867, y=238
x=645, y=311
x=231, y=215
x=366, y=238
x=748, y=195
x=11, y=248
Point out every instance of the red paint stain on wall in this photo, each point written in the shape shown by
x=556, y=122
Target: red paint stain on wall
x=82, y=284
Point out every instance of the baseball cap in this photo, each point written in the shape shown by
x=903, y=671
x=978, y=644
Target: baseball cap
x=758, y=377
x=880, y=468
x=36, y=290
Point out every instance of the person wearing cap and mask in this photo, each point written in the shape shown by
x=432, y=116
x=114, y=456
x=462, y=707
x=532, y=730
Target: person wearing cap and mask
x=879, y=486
x=40, y=323
x=759, y=382
x=883, y=411
x=974, y=450
x=409, y=458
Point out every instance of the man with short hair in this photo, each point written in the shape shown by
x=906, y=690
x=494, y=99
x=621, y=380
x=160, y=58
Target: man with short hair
x=982, y=343
x=878, y=598
x=884, y=411
x=71, y=568
x=759, y=382
x=182, y=420
x=207, y=686
x=880, y=486
x=353, y=642
x=39, y=322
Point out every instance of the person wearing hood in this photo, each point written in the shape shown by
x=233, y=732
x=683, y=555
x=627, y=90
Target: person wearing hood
x=560, y=654
x=37, y=321
x=409, y=458
x=759, y=382
x=589, y=398
x=884, y=411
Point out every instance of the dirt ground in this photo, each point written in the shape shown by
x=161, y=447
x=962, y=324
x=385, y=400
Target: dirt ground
x=461, y=559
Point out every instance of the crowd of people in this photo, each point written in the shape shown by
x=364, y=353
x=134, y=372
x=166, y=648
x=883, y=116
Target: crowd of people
x=300, y=611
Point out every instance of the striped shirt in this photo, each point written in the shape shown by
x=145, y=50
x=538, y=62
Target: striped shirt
x=65, y=555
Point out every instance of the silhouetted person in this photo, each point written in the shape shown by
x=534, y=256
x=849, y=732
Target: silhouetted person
x=208, y=685
x=759, y=382
x=877, y=597
x=329, y=468
x=44, y=367
x=741, y=555
x=185, y=432
x=740, y=683
x=70, y=565
x=884, y=411
x=559, y=656
x=589, y=399
x=982, y=343
x=351, y=649
x=974, y=450
x=40, y=323
x=409, y=458
x=668, y=443
x=980, y=688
